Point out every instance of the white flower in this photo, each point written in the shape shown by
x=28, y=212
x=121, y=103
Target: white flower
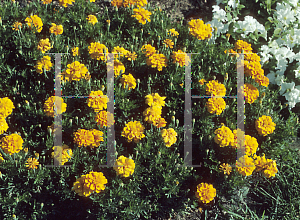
x=281, y=64
x=271, y=77
x=233, y=3
x=219, y=14
x=250, y=25
x=297, y=72
x=293, y=97
x=285, y=86
x=293, y=2
x=285, y=14
x=264, y=54
x=279, y=79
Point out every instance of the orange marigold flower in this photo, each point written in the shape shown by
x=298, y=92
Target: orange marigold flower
x=180, y=57
x=215, y=105
x=32, y=163
x=251, y=93
x=215, y=88
x=104, y=118
x=205, y=192
x=245, y=165
x=264, y=125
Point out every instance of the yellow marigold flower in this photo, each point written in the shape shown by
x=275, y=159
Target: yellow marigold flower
x=90, y=183
x=117, y=3
x=260, y=162
x=98, y=137
x=120, y=51
x=152, y=113
x=157, y=60
x=17, y=26
x=142, y=15
x=199, y=29
x=46, y=2
x=56, y=29
x=251, y=93
x=205, y=192
x=97, y=103
x=264, y=125
x=148, y=50
x=215, y=88
x=231, y=52
x=43, y=64
x=224, y=136
x=49, y=108
x=65, y=152
x=75, y=51
x=119, y=67
x=242, y=45
x=65, y=3
x=252, y=57
x=35, y=21
x=3, y=126
x=253, y=69
x=262, y=80
x=83, y=137
x=92, y=0
x=101, y=119
x=128, y=80
x=155, y=99
x=215, y=105
x=124, y=166
x=130, y=56
x=160, y=122
x=11, y=144
x=226, y=168
x=250, y=145
x=245, y=165
x=76, y=71
x=169, y=136
x=173, y=32
x=168, y=43
x=1, y=159
x=97, y=51
x=6, y=107
x=44, y=45
x=140, y=3
x=133, y=130
x=181, y=84
x=202, y=81
x=271, y=168
x=238, y=134
x=92, y=19
x=32, y=163
x=26, y=150
x=128, y=3
x=180, y=57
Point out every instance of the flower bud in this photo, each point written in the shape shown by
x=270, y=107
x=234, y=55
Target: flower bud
x=177, y=122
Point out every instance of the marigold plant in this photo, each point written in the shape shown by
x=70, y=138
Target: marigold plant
x=205, y=192
x=76, y=71
x=124, y=166
x=64, y=153
x=17, y=26
x=92, y=19
x=215, y=105
x=264, y=125
x=44, y=45
x=12, y=143
x=104, y=118
x=83, y=137
x=245, y=165
x=224, y=136
x=97, y=51
x=180, y=57
x=43, y=64
x=32, y=163
x=49, y=108
x=133, y=130
x=129, y=81
x=65, y=3
x=98, y=102
x=35, y=21
x=142, y=15
x=157, y=60
x=200, y=30
x=215, y=88
x=169, y=136
x=56, y=29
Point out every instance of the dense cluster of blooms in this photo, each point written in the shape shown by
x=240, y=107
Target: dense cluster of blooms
x=205, y=192
x=97, y=51
x=104, y=118
x=49, y=107
x=200, y=30
x=268, y=166
x=128, y=81
x=91, y=138
x=90, y=183
x=34, y=22
x=97, y=101
x=62, y=154
x=43, y=64
x=224, y=136
x=245, y=165
x=264, y=125
x=75, y=71
x=32, y=163
x=12, y=143
x=44, y=45
x=142, y=15
x=169, y=136
x=133, y=130
x=124, y=166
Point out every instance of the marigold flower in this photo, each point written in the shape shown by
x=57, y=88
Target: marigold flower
x=124, y=166
x=75, y=51
x=245, y=165
x=169, y=136
x=32, y=163
x=76, y=71
x=3, y=126
x=128, y=80
x=120, y=51
x=226, y=168
x=98, y=137
x=89, y=183
x=148, y=50
x=83, y=137
x=56, y=29
x=92, y=19
x=101, y=119
x=6, y=107
x=49, y=108
x=65, y=3
x=36, y=22
x=155, y=99
x=238, y=134
x=215, y=105
x=173, y=32
x=117, y=3
x=140, y=3
x=262, y=80
x=224, y=136
x=200, y=30
x=44, y=45
x=119, y=67
x=242, y=45
x=97, y=51
x=267, y=165
x=231, y=52
x=141, y=15
x=128, y=3
x=250, y=145
x=1, y=160
x=264, y=125
x=17, y=26
x=46, y=2
x=253, y=69
x=64, y=152
x=43, y=64
x=133, y=130
x=215, y=88
x=168, y=43
x=152, y=113
x=157, y=60
x=205, y=192
x=202, y=81
x=251, y=93
x=11, y=144
x=160, y=122
x=99, y=102
x=252, y=57
x=130, y=56
x=180, y=57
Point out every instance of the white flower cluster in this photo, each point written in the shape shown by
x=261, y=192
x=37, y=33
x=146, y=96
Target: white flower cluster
x=250, y=25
